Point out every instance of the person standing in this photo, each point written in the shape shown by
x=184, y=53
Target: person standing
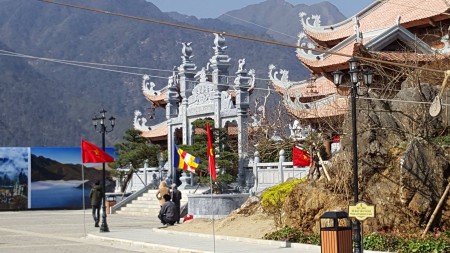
x=168, y=212
x=96, y=196
x=176, y=198
x=162, y=190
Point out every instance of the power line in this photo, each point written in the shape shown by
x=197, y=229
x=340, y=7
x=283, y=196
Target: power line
x=267, y=28
x=86, y=65
x=80, y=64
x=72, y=64
x=239, y=36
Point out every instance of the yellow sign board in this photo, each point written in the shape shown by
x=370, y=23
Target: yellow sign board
x=361, y=211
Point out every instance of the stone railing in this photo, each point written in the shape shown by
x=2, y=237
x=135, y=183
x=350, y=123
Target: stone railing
x=269, y=174
x=145, y=177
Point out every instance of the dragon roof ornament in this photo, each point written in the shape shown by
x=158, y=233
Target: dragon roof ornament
x=284, y=81
x=316, y=23
x=297, y=105
x=305, y=42
x=148, y=86
x=140, y=122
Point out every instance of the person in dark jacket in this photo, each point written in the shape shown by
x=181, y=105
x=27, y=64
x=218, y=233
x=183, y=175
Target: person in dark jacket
x=168, y=212
x=96, y=196
x=176, y=198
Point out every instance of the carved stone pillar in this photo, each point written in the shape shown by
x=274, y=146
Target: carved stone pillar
x=243, y=82
x=219, y=64
x=187, y=83
x=172, y=100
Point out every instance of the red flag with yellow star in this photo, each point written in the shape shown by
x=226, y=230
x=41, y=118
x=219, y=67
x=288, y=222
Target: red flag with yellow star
x=212, y=160
x=93, y=154
x=300, y=157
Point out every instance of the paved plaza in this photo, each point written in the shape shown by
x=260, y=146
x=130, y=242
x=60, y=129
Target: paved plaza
x=73, y=231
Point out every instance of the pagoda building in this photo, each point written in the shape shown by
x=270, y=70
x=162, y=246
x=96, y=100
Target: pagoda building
x=391, y=30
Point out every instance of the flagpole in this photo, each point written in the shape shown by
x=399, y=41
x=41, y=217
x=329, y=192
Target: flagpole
x=84, y=201
x=211, y=170
x=212, y=205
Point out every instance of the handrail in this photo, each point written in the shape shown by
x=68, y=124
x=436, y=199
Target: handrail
x=130, y=198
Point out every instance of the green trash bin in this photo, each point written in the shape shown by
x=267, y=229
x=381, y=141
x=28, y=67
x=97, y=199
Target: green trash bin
x=336, y=233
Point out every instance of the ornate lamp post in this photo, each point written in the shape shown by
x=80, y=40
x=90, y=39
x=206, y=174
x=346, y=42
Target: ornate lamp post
x=103, y=130
x=355, y=74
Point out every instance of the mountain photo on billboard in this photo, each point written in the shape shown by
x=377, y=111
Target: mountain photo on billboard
x=57, y=178
x=13, y=178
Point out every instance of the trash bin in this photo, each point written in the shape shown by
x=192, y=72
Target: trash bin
x=110, y=201
x=335, y=233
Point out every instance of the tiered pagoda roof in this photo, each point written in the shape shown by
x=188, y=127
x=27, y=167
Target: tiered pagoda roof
x=380, y=31
x=379, y=15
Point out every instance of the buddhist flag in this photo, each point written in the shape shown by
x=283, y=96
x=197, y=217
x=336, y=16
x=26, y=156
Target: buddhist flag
x=300, y=157
x=211, y=158
x=185, y=161
x=93, y=154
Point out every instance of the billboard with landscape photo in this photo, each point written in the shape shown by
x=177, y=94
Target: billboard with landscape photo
x=47, y=178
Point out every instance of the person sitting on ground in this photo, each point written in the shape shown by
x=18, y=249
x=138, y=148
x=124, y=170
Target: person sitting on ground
x=168, y=212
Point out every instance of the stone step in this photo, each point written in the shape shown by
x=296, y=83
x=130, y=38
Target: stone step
x=142, y=205
x=140, y=209
x=147, y=204
x=128, y=213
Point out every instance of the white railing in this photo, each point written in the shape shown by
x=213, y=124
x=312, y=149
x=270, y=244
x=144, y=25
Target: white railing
x=270, y=174
x=145, y=177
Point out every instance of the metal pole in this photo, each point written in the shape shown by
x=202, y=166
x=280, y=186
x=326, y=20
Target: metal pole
x=357, y=224
x=104, y=226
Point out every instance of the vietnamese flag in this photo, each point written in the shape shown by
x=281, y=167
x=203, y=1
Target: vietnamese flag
x=93, y=154
x=300, y=157
x=210, y=153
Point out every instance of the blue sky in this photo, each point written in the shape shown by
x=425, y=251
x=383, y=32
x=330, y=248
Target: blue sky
x=65, y=155
x=214, y=8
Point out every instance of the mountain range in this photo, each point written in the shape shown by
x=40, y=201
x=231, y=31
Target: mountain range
x=47, y=103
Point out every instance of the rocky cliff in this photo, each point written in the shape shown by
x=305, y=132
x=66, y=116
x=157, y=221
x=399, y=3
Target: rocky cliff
x=402, y=169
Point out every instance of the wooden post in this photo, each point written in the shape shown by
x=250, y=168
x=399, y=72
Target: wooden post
x=324, y=167
x=436, y=210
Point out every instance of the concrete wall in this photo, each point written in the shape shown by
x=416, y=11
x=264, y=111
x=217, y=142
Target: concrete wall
x=215, y=206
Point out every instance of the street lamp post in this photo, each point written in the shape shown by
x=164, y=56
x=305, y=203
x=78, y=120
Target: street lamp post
x=354, y=80
x=103, y=130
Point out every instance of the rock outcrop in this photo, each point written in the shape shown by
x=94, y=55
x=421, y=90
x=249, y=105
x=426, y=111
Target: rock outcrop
x=400, y=169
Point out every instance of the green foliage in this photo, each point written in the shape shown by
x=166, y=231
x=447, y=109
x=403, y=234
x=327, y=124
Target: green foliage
x=221, y=178
x=226, y=158
x=402, y=242
x=442, y=140
x=272, y=199
x=201, y=123
x=289, y=234
x=133, y=151
x=380, y=241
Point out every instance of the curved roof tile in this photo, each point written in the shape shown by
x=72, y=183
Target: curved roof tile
x=383, y=14
x=336, y=107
